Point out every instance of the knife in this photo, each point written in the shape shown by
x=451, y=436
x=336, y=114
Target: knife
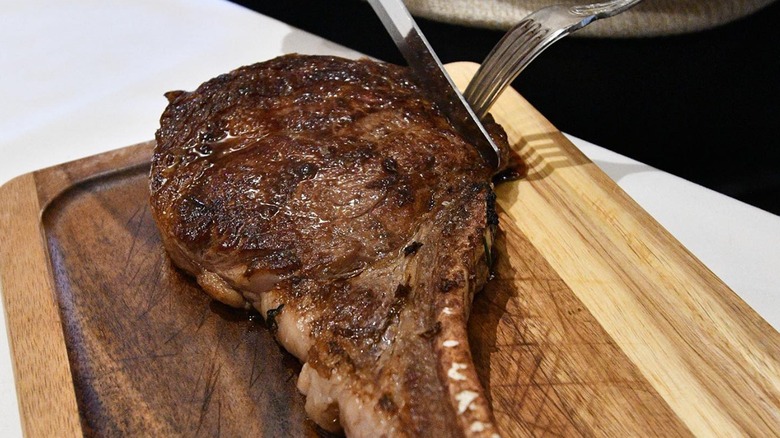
x=429, y=73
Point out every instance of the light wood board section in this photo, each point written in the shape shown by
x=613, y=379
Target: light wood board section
x=708, y=354
x=44, y=386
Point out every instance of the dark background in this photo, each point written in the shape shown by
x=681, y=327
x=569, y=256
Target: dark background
x=702, y=106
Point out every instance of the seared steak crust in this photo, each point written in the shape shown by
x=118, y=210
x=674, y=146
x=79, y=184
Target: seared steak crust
x=331, y=196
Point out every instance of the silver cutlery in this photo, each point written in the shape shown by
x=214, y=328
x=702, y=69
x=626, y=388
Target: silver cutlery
x=430, y=74
x=524, y=42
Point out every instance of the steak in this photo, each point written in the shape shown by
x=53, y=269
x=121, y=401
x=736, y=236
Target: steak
x=341, y=204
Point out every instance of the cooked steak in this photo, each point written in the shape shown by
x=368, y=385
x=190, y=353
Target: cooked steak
x=340, y=203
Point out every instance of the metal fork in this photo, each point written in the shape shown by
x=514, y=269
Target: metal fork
x=524, y=42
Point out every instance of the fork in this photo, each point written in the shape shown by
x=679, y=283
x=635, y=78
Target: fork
x=524, y=42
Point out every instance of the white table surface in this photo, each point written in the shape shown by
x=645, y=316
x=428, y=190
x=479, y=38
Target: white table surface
x=85, y=76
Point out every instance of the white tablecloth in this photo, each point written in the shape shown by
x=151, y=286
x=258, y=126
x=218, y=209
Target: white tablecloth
x=85, y=76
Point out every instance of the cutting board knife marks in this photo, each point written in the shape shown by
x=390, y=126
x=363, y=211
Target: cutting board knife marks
x=188, y=375
x=547, y=364
x=666, y=301
x=686, y=331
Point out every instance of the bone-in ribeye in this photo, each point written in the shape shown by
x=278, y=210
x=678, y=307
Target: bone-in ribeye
x=340, y=203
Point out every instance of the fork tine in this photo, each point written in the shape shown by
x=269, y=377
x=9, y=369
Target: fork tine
x=525, y=41
x=519, y=50
x=506, y=46
x=523, y=56
x=514, y=47
x=494, y=62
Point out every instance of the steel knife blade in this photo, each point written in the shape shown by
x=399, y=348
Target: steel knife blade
x=430, y=74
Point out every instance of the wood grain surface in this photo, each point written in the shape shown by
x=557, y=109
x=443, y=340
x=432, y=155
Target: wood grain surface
x=713, y=359
x=598, y=322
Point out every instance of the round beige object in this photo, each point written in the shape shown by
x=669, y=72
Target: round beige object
x=649, y=18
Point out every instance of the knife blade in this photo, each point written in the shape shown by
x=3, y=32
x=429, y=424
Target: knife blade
x=430, y=74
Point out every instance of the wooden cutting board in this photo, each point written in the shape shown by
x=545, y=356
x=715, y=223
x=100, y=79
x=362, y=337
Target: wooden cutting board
x=599, y=323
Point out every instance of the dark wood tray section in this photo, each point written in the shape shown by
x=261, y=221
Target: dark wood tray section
x=149, y=352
